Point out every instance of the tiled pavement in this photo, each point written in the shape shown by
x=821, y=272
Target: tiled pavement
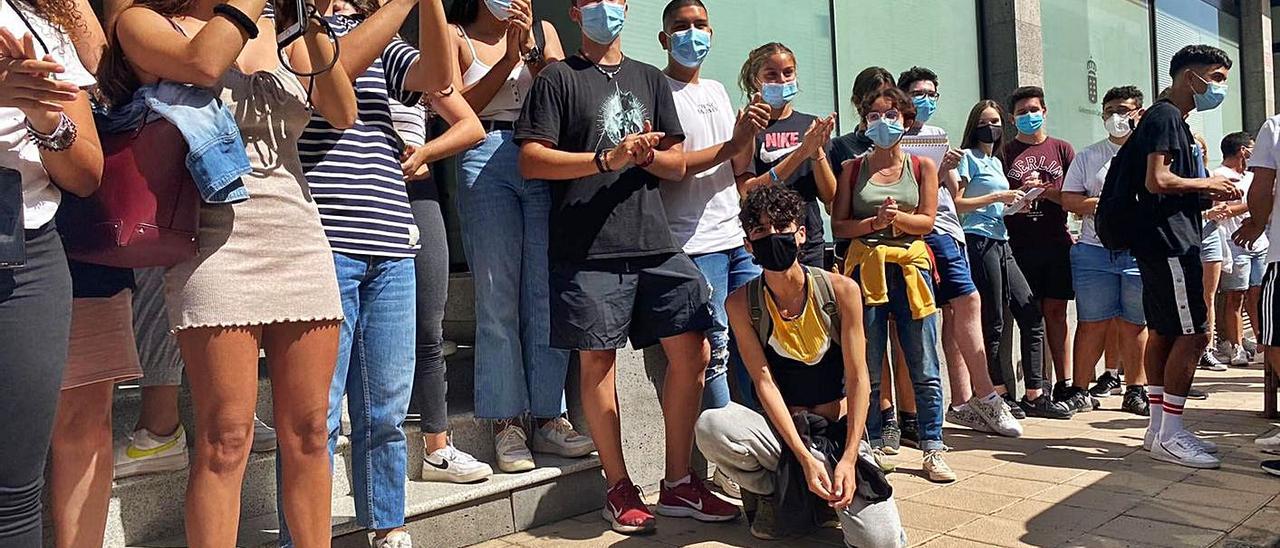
x=1084, y=482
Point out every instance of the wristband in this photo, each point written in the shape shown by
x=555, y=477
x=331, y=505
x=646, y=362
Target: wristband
x=601, y=163
x=238, y=18
x=773, y=174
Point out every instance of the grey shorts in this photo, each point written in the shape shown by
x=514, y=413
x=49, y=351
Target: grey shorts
x=157, y=347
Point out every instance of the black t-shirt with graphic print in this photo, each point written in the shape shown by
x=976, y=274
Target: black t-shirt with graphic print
x=575, y=107
x=773, y=145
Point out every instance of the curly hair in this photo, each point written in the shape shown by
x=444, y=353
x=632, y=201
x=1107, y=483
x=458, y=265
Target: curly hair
x=63, y=14
x=780, y=205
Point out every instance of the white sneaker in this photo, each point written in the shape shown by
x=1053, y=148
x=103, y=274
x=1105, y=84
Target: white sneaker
x=264, y=437
x=726, y=485
x=1148, y=441
x=511, y=446
x=450, y=465
x=146, y=453
x=397, y=539
x=558, y=437
x=1209, y=360
x=882, y=460
x=1184, y=450
x=1239, y=358
x=1273, y=441
x=997, y=417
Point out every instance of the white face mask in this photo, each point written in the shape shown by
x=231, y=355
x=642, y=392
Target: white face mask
x=1118, y=126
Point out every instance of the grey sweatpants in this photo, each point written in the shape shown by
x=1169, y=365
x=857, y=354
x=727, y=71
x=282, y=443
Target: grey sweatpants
x=739, y=442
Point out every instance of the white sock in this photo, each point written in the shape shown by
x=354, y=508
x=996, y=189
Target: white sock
x=992, y=398
x=960, y=407
x=1114, y=372
x=1172, y=422
x=669, y=484
x=1155, y=397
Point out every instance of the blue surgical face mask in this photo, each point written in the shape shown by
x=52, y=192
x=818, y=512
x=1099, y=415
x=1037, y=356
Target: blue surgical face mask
x=499, y=8
x=1213, y=96
x=602, y=21
x=925, y=107
x=690, y=47
x=1029, y=123
x=778, y=95
x=884, y=133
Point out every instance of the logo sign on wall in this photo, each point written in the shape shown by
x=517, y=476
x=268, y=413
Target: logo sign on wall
x=1092, y=71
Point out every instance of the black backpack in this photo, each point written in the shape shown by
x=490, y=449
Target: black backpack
x=1118, y=204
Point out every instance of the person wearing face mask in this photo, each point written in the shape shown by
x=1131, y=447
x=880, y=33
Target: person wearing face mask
x=856, y=143
x=800, y=333
x=974, y=401
x=1038, y=234
x=1241, y=288
x=703, y=207
x=1108, y=285
x=886, y=202
x=1160, y=222
x=605, y=130
x=984, y=195
x=792, y=150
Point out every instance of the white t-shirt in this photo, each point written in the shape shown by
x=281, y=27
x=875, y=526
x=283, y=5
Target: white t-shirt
x=39, y=197
x=1230, y=226
x=1266, y=155
x=1086, y=176
x=703, y=208
x=931, y=142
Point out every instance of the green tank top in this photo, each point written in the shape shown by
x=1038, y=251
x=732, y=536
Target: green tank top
x=868, y=196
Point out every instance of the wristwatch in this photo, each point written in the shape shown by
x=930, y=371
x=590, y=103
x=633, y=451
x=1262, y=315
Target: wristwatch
x=60, y=139
x=533, y=57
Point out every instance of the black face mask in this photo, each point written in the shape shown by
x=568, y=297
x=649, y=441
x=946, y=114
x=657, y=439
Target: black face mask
x=776, y=252
x=988, y=134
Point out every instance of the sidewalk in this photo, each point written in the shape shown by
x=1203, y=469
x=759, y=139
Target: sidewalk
x=1083, y=482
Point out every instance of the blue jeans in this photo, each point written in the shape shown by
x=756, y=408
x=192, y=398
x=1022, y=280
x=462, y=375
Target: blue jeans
x=1108, y=285
x=919, y=344
x=726, y=271
x=376, y=357
x=504, y=233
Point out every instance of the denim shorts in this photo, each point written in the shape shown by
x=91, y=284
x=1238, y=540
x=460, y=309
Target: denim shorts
x=1212, y=248
x=1108, y=285
x=953, y=267
x=1247, y=269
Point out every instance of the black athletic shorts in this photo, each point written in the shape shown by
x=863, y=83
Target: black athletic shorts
x=1268, y=332
x=1173, y=294
x=598, y=304
x=1047, y=269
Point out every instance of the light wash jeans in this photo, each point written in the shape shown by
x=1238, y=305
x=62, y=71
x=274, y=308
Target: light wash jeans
x=919, y=340
x=726, y=271
x=375, y=373
x=504, y=233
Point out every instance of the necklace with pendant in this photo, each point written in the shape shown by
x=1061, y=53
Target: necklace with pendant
x=608, y=75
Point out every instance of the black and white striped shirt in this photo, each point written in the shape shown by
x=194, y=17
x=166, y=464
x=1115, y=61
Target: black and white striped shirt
x=355, y=174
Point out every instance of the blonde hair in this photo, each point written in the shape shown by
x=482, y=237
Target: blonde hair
x=755, y=60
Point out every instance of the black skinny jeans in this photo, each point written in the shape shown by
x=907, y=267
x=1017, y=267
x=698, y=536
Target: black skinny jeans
x=35, y=324
x=1000, y=283
x=432, y=264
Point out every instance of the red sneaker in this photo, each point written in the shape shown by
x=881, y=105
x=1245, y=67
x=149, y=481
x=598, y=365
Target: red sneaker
x=624, y=510
x=694, y=500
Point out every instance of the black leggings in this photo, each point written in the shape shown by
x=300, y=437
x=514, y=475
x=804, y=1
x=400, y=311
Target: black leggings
x=35, y=324
x=432, y=265
x=1001, y=283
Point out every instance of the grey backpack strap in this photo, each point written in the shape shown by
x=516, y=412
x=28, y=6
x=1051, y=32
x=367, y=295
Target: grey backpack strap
x=827, y=298
x=755, y=302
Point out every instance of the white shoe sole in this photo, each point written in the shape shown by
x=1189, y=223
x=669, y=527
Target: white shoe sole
x=431, y=473
x=538, y=445
x=686, y=512
x=625, y=529
x=167, y=463
x=1272, y=471
x=1268, y=442
x=1163, y=457
x=516, y=467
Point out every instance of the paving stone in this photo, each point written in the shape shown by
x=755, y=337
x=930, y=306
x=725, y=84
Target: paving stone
x=563, y=498
x=933, y=518
x=1128, y=528
x=1012, y=487
x=1262, y=529
x=1130, y=483
x=960, y=498
x=1050, y=474
x=917, y=537
x=1194, y=515
x=1040, y=515
x=1071, y=495
x=1090, y=540
x=578, y=534
x=1006, y=532
x=947, y=541
x=1213, y=497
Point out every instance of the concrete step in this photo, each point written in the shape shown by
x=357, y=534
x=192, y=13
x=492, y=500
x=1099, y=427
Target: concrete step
x=146, y=508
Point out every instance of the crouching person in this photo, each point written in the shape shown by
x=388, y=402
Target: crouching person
x=799, y=332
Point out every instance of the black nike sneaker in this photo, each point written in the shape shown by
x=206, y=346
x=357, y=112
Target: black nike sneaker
x=1135, y=401
x=1107, y=385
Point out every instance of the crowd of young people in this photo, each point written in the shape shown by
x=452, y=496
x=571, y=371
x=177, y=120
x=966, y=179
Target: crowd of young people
x=603, y=202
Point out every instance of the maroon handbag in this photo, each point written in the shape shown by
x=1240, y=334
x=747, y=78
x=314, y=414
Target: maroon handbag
x=147, y=210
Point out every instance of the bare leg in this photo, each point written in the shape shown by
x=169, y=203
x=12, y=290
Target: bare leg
x=966, y=317
x=1114, y=358
x=1058, y=336
x=222, y=367
x=1212, y=273
x=600, y=404
x=1232, y=319
x=687, y=357
x=1180, y=370
x=957, y=372
x=1131, y=354
x=435, y=442
x=1091, y=338
x=80, y=466
x=159, y=410
x=1252, y=302
x=301, y=358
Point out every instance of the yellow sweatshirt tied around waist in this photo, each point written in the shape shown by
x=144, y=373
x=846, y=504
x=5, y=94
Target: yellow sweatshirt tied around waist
x=914, y=261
